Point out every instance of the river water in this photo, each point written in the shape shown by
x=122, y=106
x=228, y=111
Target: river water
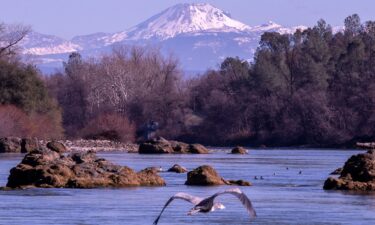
x=283, y=197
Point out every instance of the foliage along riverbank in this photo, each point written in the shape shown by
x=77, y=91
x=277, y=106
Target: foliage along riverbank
x=311, y=88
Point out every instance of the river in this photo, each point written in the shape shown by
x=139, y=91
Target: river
x=284, y=196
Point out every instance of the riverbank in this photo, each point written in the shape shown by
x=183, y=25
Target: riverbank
x=81, y=145
x=23, y=145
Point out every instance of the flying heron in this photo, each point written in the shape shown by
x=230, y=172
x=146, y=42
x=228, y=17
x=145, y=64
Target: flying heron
x=208, y=205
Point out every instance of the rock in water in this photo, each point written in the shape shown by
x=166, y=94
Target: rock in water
x=239, y=182
x=156, y=146
x=239, y=150
x=10, y=145
x=177, y=169
x=197, y=149
x=154, y=169
x=336, y=171
x=358, y=174
x=206, y=176
x=163, y=146
x=56, y=146
x=46, y=169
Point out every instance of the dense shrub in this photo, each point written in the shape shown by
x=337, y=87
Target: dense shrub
x=15, y=122
x=109, y=126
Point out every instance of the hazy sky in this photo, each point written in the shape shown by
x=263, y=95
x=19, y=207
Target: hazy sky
x=67, y=18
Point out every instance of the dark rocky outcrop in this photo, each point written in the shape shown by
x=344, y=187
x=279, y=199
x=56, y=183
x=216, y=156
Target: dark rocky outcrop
x=46, y=168
x=336, y=171
x=56, y=146
x=239, y=150
x=18, y=145
x=206, y=176
x=197, y=149
x=10, y=145
x=29, y=144
x=177, y=169
x=358, y=174
x=163, y=146
x=156, y=146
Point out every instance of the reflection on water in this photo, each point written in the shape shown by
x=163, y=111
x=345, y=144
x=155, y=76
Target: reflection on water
x=283, y=197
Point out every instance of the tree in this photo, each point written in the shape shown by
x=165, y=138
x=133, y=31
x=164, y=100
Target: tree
x=10, y=37
x=136, y=83
x=353, y=25
x=21, y=86
x=25, y=101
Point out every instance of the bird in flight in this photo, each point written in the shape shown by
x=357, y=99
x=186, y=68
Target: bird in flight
x=207, y=204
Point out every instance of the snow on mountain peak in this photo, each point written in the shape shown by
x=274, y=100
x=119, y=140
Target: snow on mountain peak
x=186, y=18
x=40, y=44
x=199, y=34
x=270, y=25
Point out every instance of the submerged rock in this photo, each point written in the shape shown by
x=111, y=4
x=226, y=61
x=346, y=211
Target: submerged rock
x=177, y=169
x=206, y=176
x=358, y=174
x=46, y=169
x=238, y=182
x=154, y=169
x=163, y=146
x=239, y=150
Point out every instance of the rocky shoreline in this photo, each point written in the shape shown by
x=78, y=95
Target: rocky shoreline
x=98, y=146
x=24, y=145
x=163, y=146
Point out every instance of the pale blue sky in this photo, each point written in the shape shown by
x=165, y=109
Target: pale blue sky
x=67, y=18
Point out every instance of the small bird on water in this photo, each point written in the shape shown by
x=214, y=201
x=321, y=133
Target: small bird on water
x=207, y=204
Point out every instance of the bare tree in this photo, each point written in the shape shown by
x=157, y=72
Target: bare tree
x=10, y=37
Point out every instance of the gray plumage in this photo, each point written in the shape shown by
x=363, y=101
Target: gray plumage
x=208, y=205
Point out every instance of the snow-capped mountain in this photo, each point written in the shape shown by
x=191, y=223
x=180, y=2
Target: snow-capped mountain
x=200, y=35
x=274, y=27
x=186, y=18
x=40, y=44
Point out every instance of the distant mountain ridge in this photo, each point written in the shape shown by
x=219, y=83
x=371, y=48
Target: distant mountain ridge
x=199, y=34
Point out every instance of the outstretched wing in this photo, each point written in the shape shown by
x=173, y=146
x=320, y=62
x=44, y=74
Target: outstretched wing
x=241, y=196
x=189, y=198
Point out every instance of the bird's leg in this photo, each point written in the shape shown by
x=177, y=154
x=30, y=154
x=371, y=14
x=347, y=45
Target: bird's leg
x=193, y=211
